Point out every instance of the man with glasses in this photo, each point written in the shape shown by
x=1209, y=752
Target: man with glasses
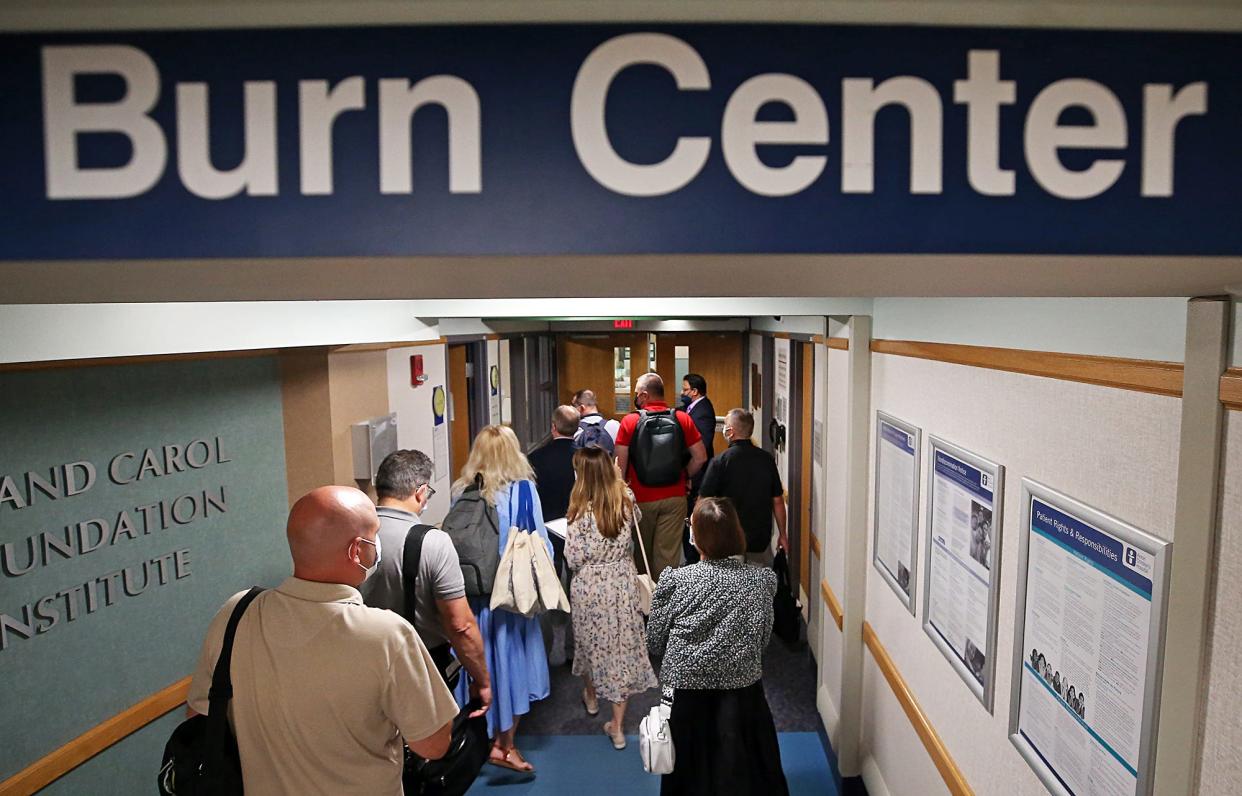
x=442, y=616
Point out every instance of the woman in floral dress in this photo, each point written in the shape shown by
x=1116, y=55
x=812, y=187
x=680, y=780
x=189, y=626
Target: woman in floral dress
x=610, y=651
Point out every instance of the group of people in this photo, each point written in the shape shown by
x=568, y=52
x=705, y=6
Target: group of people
x=1074, y=697
x=333, y=670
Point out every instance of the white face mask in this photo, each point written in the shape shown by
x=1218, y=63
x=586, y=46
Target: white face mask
x=371, y=569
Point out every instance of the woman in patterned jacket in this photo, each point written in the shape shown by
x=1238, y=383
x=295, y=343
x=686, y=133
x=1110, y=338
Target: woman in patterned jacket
x=711, y=622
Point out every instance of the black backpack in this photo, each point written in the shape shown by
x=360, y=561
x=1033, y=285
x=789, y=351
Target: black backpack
x=658, y=448
x=474, y=527
x=593, y=435
x=201, y=757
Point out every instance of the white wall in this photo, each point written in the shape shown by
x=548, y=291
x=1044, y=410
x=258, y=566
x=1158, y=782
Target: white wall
x=1137, y=328
x=506, y=397
x=1113, y=449
x=38, y=332
x=1222, y=737
x=415, y=420
x=782, y=393
x=755, y=349
x=494, y=402
x=792, y=324
x=832, y=569
x=1236, y=358
x=821, y=622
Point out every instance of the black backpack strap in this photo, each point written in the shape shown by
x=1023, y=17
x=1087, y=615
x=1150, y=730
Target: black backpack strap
x=221, y=678
x=411, y=559
x=221, y=682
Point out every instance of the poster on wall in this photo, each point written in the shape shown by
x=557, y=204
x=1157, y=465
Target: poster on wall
x=961, y=562
x=439, y=432
x=494, y=394
x=1090, y=633
x=897, y=452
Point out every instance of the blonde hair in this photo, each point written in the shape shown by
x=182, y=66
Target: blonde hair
x=599, y=490
x=496, y=456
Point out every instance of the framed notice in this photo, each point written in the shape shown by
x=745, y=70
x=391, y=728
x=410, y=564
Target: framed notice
x=897, y=451
x=961, y=562
x=1090, y=639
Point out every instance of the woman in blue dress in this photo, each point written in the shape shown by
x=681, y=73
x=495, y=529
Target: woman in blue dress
x=512, y=643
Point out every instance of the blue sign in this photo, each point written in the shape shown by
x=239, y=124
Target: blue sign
x=896, y=437
x=972, y=479
x=554, y=139
x=1088, y=543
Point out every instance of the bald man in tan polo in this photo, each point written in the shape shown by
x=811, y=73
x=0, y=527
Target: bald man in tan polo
x=325, y=688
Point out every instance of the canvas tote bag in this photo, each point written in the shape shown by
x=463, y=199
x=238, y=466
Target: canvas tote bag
x=526, y=581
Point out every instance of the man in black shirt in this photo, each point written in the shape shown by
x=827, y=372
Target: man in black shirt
x=747, y=475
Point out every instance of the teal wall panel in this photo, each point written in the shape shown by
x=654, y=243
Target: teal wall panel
x=182, y=538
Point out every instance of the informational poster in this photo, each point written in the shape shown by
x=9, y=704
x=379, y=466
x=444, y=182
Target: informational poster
x=897, y=451
x=1087, y=663
x=961, y=562
x=440, y=451
x=493, y=380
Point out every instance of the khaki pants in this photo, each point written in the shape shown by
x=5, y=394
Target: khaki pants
x=661, y=527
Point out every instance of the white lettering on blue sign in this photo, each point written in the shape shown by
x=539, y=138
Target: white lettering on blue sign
x=983, y=93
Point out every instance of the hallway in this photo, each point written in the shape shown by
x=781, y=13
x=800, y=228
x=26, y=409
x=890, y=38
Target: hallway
x=572, y=755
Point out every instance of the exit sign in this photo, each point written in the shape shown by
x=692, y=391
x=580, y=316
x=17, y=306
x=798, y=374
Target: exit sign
x=623, y=324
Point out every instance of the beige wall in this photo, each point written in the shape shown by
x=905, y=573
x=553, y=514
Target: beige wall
x=359, y=384
x=305, y=392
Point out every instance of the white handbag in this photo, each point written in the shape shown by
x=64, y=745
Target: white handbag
x=644, y=584
x=655, y=741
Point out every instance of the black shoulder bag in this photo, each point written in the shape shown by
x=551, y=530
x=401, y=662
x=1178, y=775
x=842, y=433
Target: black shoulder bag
x=453, y=774
x=786, y=613
x=201, y=757
x=411, y=560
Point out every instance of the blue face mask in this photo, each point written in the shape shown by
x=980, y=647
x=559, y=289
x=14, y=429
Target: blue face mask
x=685, y=401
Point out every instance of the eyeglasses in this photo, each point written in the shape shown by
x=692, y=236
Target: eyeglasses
x=431, y=490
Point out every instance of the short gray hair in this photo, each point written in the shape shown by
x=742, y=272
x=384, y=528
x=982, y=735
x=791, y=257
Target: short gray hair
x=401, y=474
x=741, y=421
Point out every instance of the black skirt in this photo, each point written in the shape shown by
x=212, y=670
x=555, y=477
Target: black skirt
x=725, y=742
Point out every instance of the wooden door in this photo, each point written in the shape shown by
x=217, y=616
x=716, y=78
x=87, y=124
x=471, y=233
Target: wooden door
x=586, y=362
x=459, y=431
x=717, y=357
x=805, y=466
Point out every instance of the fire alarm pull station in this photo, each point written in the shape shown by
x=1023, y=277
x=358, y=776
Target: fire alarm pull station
x=417, y=376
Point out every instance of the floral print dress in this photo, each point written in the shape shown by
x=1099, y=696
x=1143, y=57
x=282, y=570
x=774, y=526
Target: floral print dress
x=608, y=628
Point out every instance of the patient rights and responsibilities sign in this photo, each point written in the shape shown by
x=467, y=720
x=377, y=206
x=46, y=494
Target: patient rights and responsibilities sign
x=546, y=139
x=1089, y=636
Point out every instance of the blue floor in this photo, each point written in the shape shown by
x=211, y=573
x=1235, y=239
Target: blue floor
x=583, y=764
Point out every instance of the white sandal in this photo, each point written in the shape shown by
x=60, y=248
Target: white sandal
x=618, y=741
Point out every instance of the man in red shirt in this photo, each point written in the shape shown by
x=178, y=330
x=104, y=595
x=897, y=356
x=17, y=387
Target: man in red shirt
x=663, y=507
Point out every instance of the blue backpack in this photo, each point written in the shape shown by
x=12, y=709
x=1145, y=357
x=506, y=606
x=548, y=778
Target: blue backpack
x=593, y=435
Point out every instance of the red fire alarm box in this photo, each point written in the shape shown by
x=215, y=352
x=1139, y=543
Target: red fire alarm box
x=417, y=376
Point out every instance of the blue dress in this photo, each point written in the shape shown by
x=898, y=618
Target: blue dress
x=512, y=643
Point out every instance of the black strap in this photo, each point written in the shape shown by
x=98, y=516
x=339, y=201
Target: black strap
x=411, y=559
x=221, y=680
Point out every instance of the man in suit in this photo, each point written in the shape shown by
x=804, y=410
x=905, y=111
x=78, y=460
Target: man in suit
x=696, y=403
x=553, y=464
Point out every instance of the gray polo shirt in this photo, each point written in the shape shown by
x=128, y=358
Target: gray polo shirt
x=439, y=574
